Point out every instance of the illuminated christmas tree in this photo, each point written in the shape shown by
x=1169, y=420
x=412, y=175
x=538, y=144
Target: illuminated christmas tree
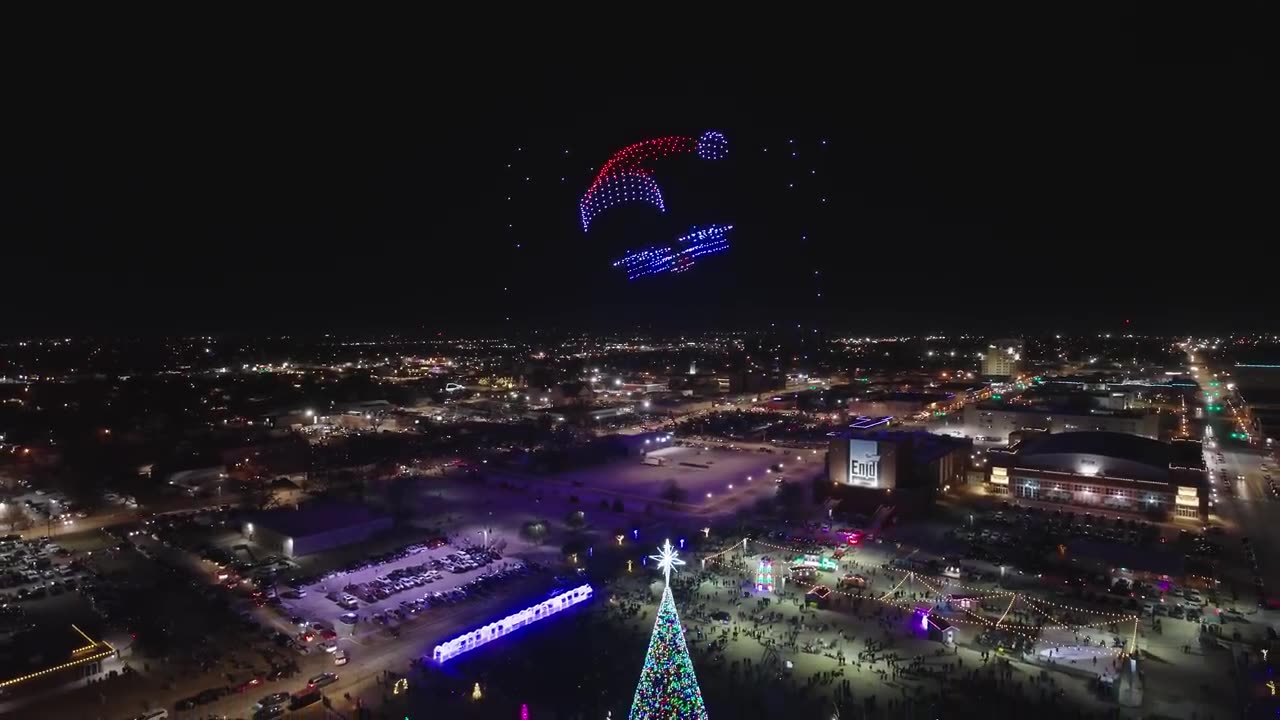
x=668, y=688
x=764, y=574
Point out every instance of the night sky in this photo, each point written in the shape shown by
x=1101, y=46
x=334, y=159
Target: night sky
x=932, y=197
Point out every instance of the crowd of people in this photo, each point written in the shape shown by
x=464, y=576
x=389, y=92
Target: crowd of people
x=864, y=659
x=771, y=654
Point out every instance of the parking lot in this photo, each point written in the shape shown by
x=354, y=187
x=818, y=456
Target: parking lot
x=382, y=595
x=32, y=570
x=705, y=476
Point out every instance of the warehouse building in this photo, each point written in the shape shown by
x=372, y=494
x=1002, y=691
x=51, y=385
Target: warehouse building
x=313, y=528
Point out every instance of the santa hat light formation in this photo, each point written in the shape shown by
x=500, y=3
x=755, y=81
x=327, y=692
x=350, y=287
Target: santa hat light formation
x=627, y=176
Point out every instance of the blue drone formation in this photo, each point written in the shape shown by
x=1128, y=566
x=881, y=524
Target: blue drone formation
x=677, y=257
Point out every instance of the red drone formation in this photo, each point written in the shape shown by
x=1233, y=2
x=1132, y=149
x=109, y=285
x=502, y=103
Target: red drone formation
x=627, y=176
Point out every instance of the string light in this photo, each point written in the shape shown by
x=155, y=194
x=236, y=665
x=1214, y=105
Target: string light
x=985, y=594
x=93, y=644
x=56, y=668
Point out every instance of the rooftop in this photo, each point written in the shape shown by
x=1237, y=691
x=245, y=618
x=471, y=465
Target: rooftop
x=924, y=445
x=908, y=396
x=1122, y=455
x=1122, y=446
x=39, y=653
x=313, y=518
x=1057, y=410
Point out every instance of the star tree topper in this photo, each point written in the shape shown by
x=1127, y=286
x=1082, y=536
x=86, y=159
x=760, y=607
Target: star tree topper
x=667, y=560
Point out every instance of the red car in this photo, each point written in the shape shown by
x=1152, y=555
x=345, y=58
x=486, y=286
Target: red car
x=328, y=634
x=249, y=684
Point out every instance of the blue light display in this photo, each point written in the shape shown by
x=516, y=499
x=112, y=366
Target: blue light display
x=618, y=189
x=677, y=257
x=712, y=146
x=469, y=641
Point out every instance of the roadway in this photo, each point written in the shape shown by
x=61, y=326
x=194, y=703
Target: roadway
x=1248, y=510
x=112, y=515
x=1244, y=507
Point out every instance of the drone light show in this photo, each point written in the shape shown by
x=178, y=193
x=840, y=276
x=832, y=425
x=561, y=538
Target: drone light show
x=627, y=176
x=677, y=257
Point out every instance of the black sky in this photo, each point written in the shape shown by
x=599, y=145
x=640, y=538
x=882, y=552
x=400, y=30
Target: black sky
x=1010, y=193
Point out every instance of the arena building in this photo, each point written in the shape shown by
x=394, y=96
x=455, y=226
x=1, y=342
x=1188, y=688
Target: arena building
x=1103, y=471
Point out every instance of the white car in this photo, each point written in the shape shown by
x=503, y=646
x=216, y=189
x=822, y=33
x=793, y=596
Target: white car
x=340, y=657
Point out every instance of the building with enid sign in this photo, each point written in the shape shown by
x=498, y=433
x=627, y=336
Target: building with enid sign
x=899, y=468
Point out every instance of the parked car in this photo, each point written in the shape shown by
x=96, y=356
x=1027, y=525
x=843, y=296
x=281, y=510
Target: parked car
x=273, y=699
x=322, y=679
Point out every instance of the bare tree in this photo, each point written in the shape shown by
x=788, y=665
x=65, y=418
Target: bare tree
x=673, y=493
